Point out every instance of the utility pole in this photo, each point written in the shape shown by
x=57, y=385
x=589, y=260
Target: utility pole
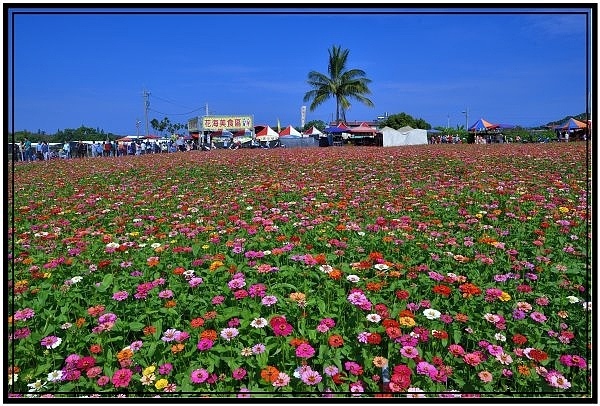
x=146, y=106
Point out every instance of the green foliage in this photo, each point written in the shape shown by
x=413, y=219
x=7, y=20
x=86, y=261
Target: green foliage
x=400, y=120
x=318, y=124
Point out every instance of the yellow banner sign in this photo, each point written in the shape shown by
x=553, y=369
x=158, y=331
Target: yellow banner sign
x=216, y=123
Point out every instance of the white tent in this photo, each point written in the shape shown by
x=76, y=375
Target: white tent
x=267, y=134
x=403, y=136
x=290, y=131
x=312, y=131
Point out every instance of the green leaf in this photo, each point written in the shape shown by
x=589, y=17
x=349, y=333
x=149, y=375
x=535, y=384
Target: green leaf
x=136, y=326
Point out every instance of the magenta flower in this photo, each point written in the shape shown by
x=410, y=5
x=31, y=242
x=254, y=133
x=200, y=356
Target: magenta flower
x=121, y=378
x=199, y=375
x=120, y=296
x=239, y=373
x=205, y=344
x=305, y=350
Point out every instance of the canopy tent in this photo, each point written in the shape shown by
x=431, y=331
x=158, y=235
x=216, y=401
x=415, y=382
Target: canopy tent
x=482, y=125
x=243, y=133
x=266, y=133
x=403, y=136
x=312, y=131
x=337, y=129
x=290, y=131
x=573, y=124
x=363, y=128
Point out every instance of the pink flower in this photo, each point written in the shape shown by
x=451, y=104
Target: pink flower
x=121, y=378
x=120, y=296
x=199, y=375
x=239, y=373
x=305, y=350
x=485, y=376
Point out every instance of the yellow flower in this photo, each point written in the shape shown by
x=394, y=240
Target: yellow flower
x=504, y=297
x=406, y=321
x=149, y=370
x=297, y=296
x=161, y=383
x=563, y=209
x=47, y=275
x=205, y=246
x=134, y=233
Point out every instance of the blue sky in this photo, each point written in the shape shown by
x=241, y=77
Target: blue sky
x=525, y=68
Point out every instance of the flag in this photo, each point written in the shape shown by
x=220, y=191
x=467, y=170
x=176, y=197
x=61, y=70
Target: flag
x=278, y=125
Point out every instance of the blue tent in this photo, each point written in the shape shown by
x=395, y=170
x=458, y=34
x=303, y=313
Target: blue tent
x=482, y=125
x=334, y=130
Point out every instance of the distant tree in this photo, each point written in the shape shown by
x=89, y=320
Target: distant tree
x=400, y=120
x=318, y=124
x=341, y=83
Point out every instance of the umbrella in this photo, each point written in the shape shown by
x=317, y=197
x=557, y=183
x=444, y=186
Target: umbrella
x=573, y=124
x=482, y=125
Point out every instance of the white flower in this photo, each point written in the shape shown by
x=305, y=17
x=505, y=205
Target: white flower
x=326, y=268
x=431, y=314
x=189, y=273
x=266, y=252
x=500, y=337
x=112, y=245
x=155, y=245
x=137, y=220
x=76, y=279
x=352, y=278
x=37, y=385
x=12, y=378
x=381, y=267
x=573, y=299
x=259, y=322
x=361, y=233
x=374, y=317
x=55, y=375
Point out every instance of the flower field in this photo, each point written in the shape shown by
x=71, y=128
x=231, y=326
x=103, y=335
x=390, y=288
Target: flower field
x=421, y=271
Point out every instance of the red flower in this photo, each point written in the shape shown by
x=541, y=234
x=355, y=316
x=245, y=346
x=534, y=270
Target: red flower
x=519, y=339
x=442, y=290
x=374, y=338
x=402, y=294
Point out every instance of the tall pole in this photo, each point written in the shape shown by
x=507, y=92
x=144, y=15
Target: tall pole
x=146, y=106
x=466, y=113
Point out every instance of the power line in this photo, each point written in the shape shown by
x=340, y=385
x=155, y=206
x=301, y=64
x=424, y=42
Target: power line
x=176, y=114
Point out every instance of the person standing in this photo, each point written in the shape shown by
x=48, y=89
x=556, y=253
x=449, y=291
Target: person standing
x=45, y=151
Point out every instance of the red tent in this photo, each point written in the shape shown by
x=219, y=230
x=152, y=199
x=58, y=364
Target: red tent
x=290, y=131
x=363, y=128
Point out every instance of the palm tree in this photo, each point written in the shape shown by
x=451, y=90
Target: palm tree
x=341, y=83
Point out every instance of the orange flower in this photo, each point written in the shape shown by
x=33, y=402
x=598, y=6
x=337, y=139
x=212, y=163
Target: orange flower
x=95, y=348
x=170, y=303
x=28, y=261
x=125, y=353
x=294, y=342
x=374, y=286
x=340, y=227
x=335, y=340
x=406, y=313
x=215, y=264
x=321, y=259
x=469, y=290
x=210, y=315
x=178, y=270
x=297, y=296
x=80, y=322
x=149, y=330
x=388, y=238
x=177, y=348
x=407, y=321
x=209, y=334
x=463, y=318
x=335, y=274
x=197, y=322
x=269, y=374
x=375, y=256
x=523, y=370
x=152, y=261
